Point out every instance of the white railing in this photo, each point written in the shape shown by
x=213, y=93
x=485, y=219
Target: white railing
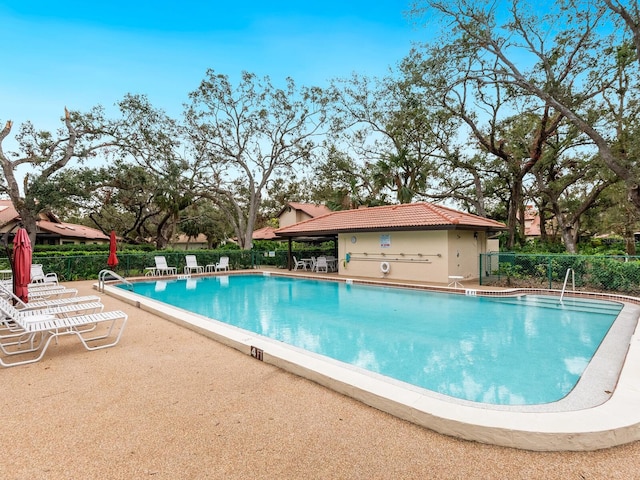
x=566, y=279
x=104, y=274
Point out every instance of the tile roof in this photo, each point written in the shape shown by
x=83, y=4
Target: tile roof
x=71, y=230
x=264, y=233
x=409, y=216
x=9, y=214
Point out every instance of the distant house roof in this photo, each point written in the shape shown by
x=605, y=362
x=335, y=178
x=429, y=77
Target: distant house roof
x=264, y=233
x=409, y=216
x=71, y=230
x=310, y=209
x=8, y=213
x=49, y=223
x=531, y=222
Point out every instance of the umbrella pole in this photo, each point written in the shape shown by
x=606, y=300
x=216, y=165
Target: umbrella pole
x=5, y=240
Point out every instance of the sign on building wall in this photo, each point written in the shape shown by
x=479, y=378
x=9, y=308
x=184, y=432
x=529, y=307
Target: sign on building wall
x=385, y=241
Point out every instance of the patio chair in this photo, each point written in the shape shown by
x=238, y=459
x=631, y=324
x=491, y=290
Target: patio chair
x=14, y=312
x=223, y=264
x=37, y=293
x=162, y=268
x=321, y=264
x=332, y=263
x=39, y=303
x=38, y=275
x=299, y=263
x=25, y=334
x=192, y=265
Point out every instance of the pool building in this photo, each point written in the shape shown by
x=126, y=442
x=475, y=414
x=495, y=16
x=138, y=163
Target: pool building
x=417, y=241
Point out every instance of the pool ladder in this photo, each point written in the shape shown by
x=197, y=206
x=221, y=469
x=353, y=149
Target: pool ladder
x=104, y=274
x=566, y=279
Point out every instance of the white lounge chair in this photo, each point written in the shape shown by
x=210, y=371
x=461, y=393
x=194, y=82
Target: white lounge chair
x=192, y=265
x=14, y=312
x=38, y=294
x=162, y=268
x=33, y=333
x=299, y=263
x=53, y=302
x=38, y=275
x=42, y=290
x=223, y=264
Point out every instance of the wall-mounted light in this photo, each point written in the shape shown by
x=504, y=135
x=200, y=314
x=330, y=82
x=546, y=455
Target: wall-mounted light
x=475, y=235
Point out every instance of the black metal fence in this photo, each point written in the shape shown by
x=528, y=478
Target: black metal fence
x=619, y=274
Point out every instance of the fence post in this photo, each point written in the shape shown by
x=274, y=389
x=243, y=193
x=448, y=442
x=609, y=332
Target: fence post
x=549, y=273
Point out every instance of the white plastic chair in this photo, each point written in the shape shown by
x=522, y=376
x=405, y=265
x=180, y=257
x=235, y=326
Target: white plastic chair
x=332, y=263
x=162, y=268
x=223, y=264
x=42, y=302
x=38, y=275
x=321, y=264
x=33, y=331
x=192, y=265
x=299, y=263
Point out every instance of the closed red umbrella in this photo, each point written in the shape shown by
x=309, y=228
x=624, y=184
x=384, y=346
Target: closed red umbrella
x=112, y=261
x=21, y=264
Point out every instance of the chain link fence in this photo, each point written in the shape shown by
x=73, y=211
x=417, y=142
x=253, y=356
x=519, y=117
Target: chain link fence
x=87, y=267
x=620, y=274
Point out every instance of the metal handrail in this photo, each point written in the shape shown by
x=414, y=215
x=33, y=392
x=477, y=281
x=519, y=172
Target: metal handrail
x=566, y=279
x=110, y=273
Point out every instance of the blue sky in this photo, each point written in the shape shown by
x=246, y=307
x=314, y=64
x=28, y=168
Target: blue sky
x=80, y=53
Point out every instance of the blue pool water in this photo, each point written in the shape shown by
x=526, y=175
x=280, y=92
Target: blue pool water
x=503, y=351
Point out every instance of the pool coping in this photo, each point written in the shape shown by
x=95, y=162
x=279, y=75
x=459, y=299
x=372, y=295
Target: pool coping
x=615, y=421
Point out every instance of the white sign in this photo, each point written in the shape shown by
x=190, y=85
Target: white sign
x=385, y=241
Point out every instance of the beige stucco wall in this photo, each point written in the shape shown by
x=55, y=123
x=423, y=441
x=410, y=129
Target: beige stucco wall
x=291, y=216
x=429, y=256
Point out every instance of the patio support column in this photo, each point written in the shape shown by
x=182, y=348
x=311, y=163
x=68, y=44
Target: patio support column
x=290, y=252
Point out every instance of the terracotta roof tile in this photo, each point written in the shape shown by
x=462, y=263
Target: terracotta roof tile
x=9, y=214
x=264, y=233
x=410, y=216
x=71, y=230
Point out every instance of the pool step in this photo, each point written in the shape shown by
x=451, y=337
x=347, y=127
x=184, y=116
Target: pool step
x=568, y=303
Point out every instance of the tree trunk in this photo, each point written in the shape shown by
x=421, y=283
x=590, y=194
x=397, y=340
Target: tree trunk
x=512, y=215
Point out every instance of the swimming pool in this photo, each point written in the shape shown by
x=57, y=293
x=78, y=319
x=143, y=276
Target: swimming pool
x=526, y=350
x=600, y=412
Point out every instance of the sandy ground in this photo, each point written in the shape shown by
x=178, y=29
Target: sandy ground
x=167, y=403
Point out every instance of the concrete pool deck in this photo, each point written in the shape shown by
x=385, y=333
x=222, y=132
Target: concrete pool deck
x=589, y=418
x=169, y=403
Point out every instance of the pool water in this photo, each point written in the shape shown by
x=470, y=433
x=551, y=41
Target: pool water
x=502, y=351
